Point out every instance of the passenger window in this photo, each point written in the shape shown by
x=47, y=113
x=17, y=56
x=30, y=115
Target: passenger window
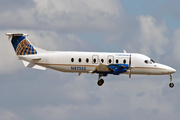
x=102, y=60
x=72, y=59
x=124, y=61
x=94, y=60
x=87, y=60
x=117, y=61
x=110, y=60
x=79, y=59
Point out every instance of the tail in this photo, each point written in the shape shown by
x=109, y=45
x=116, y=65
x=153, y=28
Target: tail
x=21, y=44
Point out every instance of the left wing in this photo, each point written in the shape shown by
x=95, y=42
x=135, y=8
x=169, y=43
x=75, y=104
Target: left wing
x=102, y=68
x=115, y=69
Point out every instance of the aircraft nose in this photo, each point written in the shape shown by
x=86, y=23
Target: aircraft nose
x=172, y=70
x=166, y=69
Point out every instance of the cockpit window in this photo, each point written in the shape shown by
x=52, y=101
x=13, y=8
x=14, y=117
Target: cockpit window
x=153, y=61
x=149, y=61
x=146, y=61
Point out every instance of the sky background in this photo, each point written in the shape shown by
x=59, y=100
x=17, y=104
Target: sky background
x=150, y=27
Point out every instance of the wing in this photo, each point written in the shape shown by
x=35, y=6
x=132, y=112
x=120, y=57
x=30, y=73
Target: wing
x=102, y=68
x=115, y=69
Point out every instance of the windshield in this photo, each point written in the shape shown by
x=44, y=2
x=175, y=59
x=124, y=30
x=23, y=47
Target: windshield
x=153, y=61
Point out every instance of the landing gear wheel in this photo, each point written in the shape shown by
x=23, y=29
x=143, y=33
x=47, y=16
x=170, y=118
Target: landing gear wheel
x=100, y=82
x=171, y=85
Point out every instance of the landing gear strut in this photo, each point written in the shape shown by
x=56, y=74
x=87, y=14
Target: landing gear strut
x=171, y=84
x=100, y=81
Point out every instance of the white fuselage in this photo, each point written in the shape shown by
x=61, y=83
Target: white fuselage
x=86, y=62
x=102, y=63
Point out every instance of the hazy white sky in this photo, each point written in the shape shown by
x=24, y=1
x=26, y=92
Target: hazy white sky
x=149, y=27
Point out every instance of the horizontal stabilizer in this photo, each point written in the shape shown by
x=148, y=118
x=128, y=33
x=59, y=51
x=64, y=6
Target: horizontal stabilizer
x=29, y=58
x=32, y=65
x=16, y=34
x=36, y=58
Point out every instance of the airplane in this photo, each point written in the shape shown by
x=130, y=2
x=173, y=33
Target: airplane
x=101, y=63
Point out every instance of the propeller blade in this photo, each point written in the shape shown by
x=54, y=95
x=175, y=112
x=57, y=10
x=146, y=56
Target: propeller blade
x=130, y=67
x=129, y=74
x=130, y=60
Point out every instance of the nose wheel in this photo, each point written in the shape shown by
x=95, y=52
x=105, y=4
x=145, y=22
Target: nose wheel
x=100, y=81
x=171, y=84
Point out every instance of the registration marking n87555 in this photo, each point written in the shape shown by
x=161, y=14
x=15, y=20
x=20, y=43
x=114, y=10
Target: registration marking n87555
x=78, y=68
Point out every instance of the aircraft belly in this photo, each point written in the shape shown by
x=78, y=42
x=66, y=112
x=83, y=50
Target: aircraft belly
x=138, y=71
x=148, y=71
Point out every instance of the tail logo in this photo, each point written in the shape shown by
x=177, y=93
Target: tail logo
x=25, y=48
x=22, y=46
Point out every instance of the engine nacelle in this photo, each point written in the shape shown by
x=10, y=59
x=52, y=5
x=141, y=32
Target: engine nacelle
x=118, y=68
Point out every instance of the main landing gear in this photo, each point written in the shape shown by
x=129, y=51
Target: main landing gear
x=171, y=84
x=100, y=81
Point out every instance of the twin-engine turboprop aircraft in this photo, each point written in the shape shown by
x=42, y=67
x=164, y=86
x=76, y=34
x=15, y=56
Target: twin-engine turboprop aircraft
x=86, y=62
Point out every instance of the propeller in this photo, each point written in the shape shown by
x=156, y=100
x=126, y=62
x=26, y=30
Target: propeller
x=130, y=66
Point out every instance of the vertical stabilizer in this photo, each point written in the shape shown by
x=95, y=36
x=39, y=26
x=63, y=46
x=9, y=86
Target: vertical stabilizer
x=21, y=44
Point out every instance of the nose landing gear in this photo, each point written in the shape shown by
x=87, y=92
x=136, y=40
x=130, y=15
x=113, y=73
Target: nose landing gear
x=100, y=81
x=171, y=84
